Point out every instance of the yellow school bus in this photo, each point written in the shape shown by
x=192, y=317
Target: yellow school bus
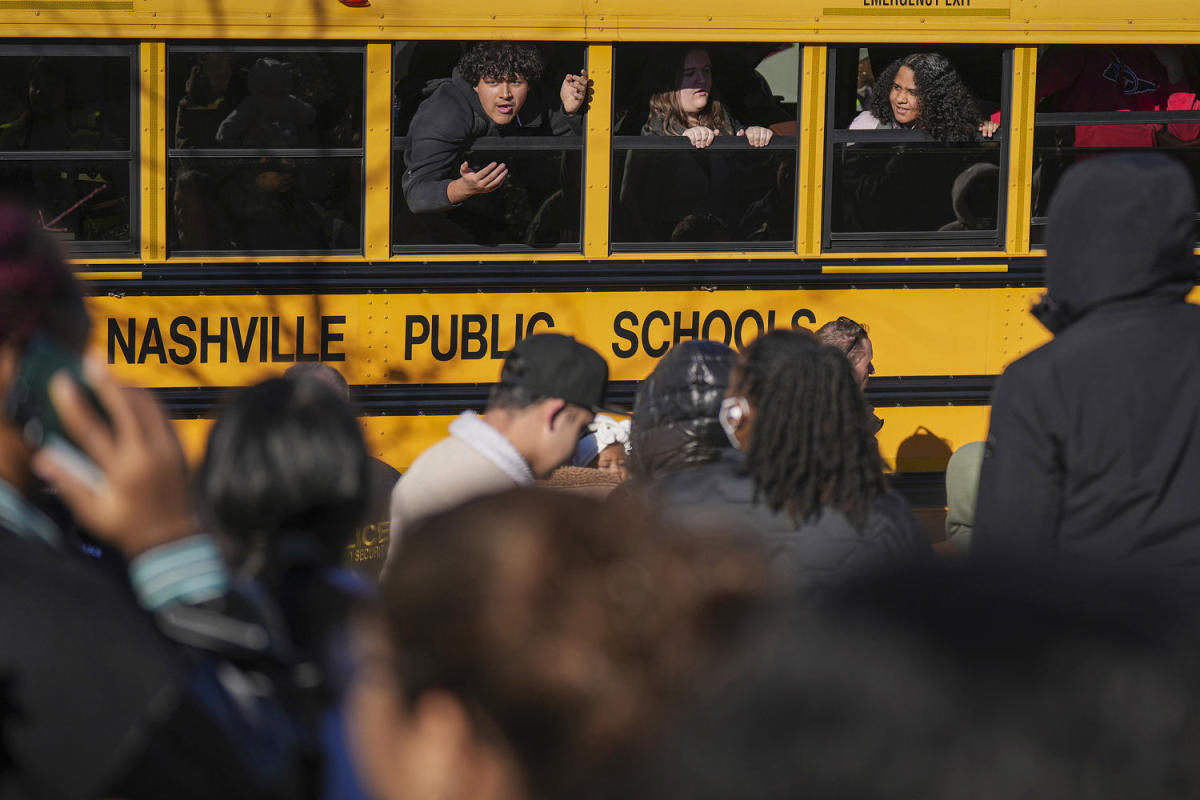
x=228, y=177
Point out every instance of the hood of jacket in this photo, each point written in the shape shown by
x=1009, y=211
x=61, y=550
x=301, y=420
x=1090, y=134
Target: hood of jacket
x=675, y=413
x=1120, y=227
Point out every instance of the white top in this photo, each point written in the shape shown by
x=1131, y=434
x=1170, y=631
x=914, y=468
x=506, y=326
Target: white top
x=474, y=460
x=866, y=121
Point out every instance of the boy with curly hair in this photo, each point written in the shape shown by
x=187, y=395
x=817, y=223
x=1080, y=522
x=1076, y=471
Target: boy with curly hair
x=494, y=91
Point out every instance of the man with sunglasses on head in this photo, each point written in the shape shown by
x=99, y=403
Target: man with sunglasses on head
x=851, y=338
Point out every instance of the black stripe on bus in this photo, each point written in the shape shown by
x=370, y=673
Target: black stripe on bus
x=190, y=278
x=450, y=398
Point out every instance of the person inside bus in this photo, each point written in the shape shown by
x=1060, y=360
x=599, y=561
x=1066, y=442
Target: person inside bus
x=691, y=107
x=495, y=91
x=909, y=186
x=209, y=97
x=1097, y=78
x=1093, y=78
x=76, y=200
x=924, y=92
x=662, y=194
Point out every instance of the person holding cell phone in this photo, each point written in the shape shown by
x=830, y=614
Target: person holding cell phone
x=95, y=701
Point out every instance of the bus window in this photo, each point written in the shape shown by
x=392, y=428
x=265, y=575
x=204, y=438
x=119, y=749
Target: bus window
x=704, y=146
x=915, y=149
x=483, y=160
x=265, y=149
x=1112, y=98
x=65, y=141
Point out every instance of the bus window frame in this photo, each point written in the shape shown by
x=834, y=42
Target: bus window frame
x=1059, y=119
x=908, y=241
x=269, y=46
x=485, y=143
x=627, y=143
x=132, y=155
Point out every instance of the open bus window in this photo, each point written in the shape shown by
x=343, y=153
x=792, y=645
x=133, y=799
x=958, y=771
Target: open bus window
x=265, y=149
x=65, y=140
x=916, y=147
x=487, y=160
x=704, y=146
x=1094, y=99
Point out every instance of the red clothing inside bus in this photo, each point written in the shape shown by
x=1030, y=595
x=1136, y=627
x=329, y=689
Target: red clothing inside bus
x=1119, y=78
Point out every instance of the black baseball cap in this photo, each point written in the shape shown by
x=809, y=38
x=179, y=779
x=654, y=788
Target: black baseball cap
x=553, y=365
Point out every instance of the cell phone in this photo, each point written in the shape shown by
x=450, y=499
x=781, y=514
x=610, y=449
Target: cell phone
x=29, y=407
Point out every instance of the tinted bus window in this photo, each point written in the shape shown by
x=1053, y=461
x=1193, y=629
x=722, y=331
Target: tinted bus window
x=916, y=154
x=1112, y=98
x=704, y=146
x=483, y=160
x=65, y=141
x=265, y=150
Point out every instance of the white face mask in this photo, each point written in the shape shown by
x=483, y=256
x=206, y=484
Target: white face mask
x=734, y=411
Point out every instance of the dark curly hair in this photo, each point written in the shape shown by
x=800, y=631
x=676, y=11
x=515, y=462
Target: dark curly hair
x=501, y=60
x=948, y=110
x=811, y=447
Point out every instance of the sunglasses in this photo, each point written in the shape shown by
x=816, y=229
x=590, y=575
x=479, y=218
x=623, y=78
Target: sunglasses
x=857, y=329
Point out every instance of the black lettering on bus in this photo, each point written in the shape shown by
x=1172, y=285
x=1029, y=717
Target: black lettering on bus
x=328, y=337
x=178, y=337
x=541, y=316
x=300, y=354
x=207, y=338
x=127, y=343
x=771, y=320
x=152, y=343
x=723, y=318
x=625, y=318
x=263, y=338
x=800, y=314
x=474, y=330
x=242, y=346
x=748, y=314
x=448, y=353
x=681, y=332
x=518, y=334
x=278, y=355
x=651, y=350
x=411, y=337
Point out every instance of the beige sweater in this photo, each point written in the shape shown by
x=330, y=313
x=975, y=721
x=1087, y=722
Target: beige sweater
x=448, y=474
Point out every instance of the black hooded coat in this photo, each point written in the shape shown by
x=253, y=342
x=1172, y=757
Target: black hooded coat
x=675, y=414
x=1093, y=457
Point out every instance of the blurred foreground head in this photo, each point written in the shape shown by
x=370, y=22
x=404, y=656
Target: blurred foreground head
x=38, y=293
x=38, y=297
x=530, y=638
x=945, y=685
x=286, y=467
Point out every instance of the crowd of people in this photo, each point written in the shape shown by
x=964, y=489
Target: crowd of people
x=715, y=596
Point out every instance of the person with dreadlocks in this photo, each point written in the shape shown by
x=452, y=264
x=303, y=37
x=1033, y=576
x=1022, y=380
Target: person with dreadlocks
x=805, y=472
x=924, y=92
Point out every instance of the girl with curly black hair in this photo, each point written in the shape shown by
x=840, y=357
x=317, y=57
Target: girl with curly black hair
x=924, y=92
